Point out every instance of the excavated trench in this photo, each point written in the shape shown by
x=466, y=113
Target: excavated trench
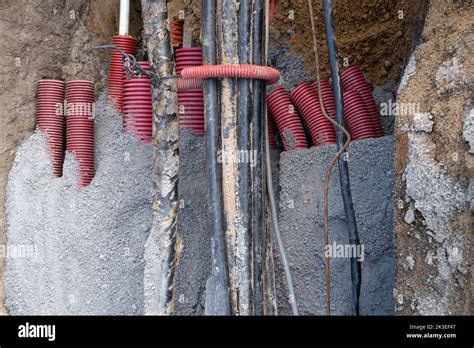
x=84, y=250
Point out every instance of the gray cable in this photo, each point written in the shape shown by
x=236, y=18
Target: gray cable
x=271, y=195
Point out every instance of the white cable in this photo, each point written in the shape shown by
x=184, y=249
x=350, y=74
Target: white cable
x=124, y=17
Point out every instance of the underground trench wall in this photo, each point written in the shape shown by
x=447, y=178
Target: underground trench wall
x=434, y=165
x=47, y=41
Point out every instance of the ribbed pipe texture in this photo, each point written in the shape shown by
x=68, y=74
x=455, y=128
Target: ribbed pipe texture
x=50, y=120
x=190, y=91
x=287, y=120
x=137, y=106
x=353, y=78
x=306, y=100
x=80, y=127
x=116, y=72
x=246, y=71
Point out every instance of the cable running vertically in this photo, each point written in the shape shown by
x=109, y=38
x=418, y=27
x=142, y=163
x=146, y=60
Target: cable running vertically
x=271, y=193
x=220, y=274
x=342, y=162
x=342, y=145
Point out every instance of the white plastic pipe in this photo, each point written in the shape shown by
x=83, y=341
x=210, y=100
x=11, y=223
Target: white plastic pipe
x=124, y=17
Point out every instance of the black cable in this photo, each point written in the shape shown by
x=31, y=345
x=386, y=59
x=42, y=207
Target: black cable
x=258, y=146
x=342, y=162
x=243, y=142
x=212, y=122
x=269, y=183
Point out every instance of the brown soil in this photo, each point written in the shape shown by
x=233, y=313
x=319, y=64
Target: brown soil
x=447, y=34
x=369, y=33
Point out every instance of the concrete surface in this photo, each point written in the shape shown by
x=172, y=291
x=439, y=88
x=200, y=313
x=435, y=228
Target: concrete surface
x=86, y=244
x=301, y=224
x=194, y=266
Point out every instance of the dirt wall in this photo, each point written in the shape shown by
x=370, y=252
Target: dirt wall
x=434, y=166
x=376, y=35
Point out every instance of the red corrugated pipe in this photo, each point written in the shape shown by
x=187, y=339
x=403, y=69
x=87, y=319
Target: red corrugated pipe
x=190, y=99
x=272, y=131
x=190, y=91
x=80, y=126
x=327, y=94
x=353, y=78
x=176, y=31
x=306, y=100
x=245, y=71
x=116, y=72
x=50, y=120
x=356, y=116
x=137, y=106
x=288, y=122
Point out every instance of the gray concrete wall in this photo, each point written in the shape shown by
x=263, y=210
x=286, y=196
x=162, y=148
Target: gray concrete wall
x=194, y=266
x=301, y=224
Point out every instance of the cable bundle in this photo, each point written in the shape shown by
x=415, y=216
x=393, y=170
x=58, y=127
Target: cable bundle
x=353, y=78
x=288, y=122
x=116, y=72
x=80, y=126
x=49, y=118
x=137, y=106
x=306, y=100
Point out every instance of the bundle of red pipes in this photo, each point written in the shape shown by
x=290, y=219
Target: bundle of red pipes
x=116, y=73
x=49, y=118
x=306, y=100
x=360, y=111
x=359, y=125
x=288, y=122
x=361, y=108
x=80, y=127
x=137, y=106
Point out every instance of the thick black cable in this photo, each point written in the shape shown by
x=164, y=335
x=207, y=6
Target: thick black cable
x=342, y=160
x=259, y=149
x=220, y=271
x=243, y=145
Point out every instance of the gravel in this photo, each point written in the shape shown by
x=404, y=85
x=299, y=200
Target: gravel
x=87, y=244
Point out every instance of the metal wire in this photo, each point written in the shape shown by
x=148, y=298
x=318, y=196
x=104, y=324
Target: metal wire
x=329, y=169
x=132, y=68
x=342, y=163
